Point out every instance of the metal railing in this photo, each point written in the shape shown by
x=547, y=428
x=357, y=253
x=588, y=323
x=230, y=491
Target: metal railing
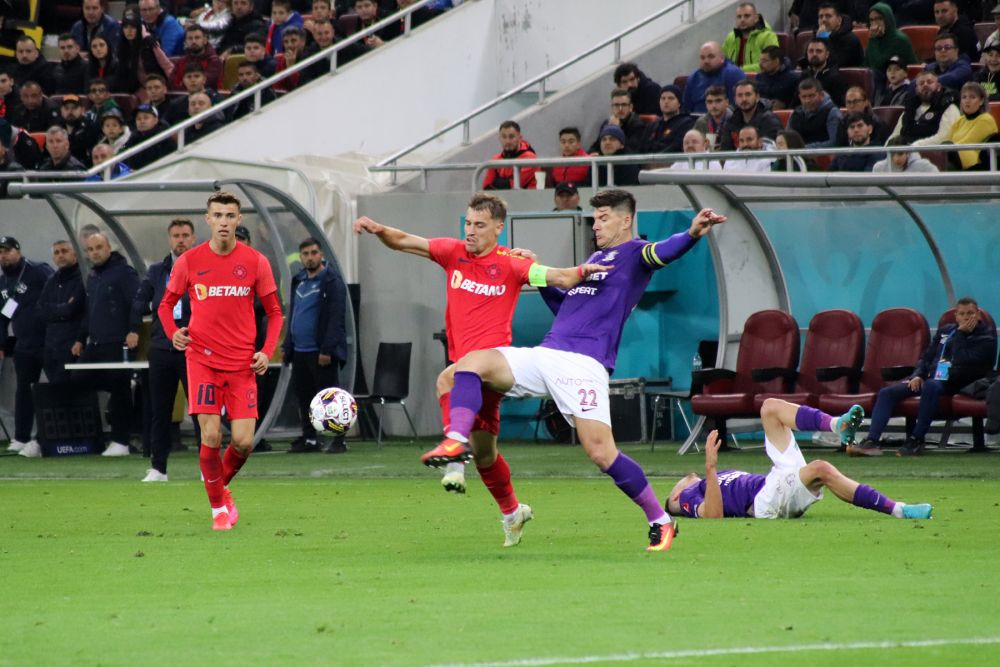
x=596, y=161
x=464, y=122
x=254, y=91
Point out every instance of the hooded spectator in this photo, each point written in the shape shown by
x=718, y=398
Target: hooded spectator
x=885, y=40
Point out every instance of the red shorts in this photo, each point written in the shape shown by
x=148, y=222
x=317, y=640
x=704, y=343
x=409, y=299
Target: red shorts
x=488, y=418
x=211, y=389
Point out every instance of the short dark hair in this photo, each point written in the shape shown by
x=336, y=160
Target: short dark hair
x=827, y=4
x=570, y=130
x=309, y=241
x=861, y=90
x=287, y=4
x=28, y=83
x=820, y=40
x=614, y=198
x=792, y=139
x=328, y=3
x=26, y=38
x=246, y=64
x=942, y=36
x=509, y=123
x=854, y=117
x=483, y=202
x=773, y=52
x=950, y=2
x=181, y=222
x=756, y=130
x=966, y=301
x=224, y=198
x=747, y=82
x=256, y=38
x=98, y=82
x=193, y=27
x=193, y=66
x=158, y=77
x=624, y=70
x=620, y=92
x=810, y=84
x=291, y=31
x=715, y=91
x=65, y=37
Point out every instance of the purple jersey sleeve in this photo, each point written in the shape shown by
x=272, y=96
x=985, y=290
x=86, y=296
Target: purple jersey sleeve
x=738, y=488
x=663, y=252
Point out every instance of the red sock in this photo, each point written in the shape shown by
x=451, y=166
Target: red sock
x=232, y=461
x=497, y=480
x=444, y=401
x=211, y=470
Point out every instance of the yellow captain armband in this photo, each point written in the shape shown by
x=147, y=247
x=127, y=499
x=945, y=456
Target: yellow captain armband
x=536, y=275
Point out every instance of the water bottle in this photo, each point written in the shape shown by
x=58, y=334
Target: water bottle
x=125, y=353
x=696, y=363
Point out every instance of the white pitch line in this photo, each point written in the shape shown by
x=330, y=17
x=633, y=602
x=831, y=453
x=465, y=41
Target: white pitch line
x=737, y=650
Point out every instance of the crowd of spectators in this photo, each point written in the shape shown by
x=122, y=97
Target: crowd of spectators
x=120, y=80
x=857, y=82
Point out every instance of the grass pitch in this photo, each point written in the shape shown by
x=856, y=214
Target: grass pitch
x=362, y=559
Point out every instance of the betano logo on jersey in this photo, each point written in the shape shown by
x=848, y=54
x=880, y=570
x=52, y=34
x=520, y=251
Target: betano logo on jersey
x=202, y=292
x=460, y=282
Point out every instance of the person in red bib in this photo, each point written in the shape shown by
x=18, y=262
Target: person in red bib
x=222, y=277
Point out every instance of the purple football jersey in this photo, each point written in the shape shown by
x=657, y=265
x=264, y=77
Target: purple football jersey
x=739, y=489
x=592, y=314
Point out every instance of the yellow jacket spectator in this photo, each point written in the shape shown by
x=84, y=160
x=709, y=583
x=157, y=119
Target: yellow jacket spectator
x=750, y=36
x=975, y=126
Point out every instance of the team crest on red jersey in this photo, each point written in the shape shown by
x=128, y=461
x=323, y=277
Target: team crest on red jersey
x=493, y=272
x=240, y=271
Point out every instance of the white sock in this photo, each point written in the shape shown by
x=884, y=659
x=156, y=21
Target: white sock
x=508, y=518
x=455, y=467
x=216, y=511
x=897, y=510
x=454, y=435
x=663, y=520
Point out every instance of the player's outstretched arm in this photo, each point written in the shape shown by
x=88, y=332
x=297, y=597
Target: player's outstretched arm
x=704, y=221
x=572, y=276
x=712, y=507
x=393, y=238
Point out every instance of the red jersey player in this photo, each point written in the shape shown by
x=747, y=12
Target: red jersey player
x=222, y=277
x=484, y=281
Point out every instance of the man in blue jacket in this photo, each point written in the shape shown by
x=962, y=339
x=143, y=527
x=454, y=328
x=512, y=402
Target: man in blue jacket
x=714, y=69
x=163, y=26
x=96, y=22
x=111, y=288
x=167, y=365
x=316, y=340
x=21, y=283
x=64, y=302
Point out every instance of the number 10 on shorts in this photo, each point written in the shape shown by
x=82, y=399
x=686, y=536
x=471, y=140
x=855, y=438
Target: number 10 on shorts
x=206, y=394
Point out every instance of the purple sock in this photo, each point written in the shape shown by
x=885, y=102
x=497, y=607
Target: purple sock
x=630, y=478
x=811, y=419
x=466, y=399
x=867, y=497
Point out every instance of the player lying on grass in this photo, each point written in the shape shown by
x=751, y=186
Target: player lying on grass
x=792, y=485
x=573, y=362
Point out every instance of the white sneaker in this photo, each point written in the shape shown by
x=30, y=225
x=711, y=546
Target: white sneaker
x=513, y=525
x=454, y=481
x=31, y=450
x=116, y=449
x=154, y=475
x=16, y=446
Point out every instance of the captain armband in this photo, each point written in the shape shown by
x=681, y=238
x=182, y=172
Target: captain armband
x=536, y=275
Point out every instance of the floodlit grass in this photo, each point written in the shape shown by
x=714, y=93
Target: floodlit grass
x=362, y=559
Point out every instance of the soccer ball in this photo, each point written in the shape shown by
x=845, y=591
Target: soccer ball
x=333, y=410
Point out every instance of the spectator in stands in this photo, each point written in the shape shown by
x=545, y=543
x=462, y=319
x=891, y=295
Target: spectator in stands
x=566, y=197
x=714, y=69
x=790, y=140
x=138, y=56
x=246, y=21
x=845, y=47
x=818, y=66
x=73, y=119
x=960, y=353
x=57, y=147
x=282, y=18
x=294, y=48
x=64, y=302
x=952, y=69
x=859, y=134
x=114, y=129
x=194, y=82
x=95, y=22
x=949, y=21
x=623, y=116
x=989, y=75
x=100, y=101
x=32, y=65
x=215, y=21
x=750, y=36
x=23, y=149
x=71, y=72
x=750, y=110
x=994, y=37
x=197, y=49
x=512, y=147
x=369, y=14
x=8, y=163
x=163, y=26
x=857, y=102
x=255, y=52
x=929, y=113
x=100, y=154
x=750, y=140
x=569, y=146
x=896, y=84
x=976, y=125
x=644, y=91
x=908, y=162
x=777, y=81
x=696, y=142
x=36, y=112
x=322, y=10
x=197, y=103
x=817, y=117
x=666, y=135
x=9, y=97
x=247, y=75
x=21, y=284
x=323, y=37
x=613, y=143
x=885, y=40
x=713, y=121
x=103, y=64
x=148, y=124
x=111, y=287
x=156, y=95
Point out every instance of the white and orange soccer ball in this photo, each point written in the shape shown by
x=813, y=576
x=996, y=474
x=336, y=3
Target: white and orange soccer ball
x=333, y=410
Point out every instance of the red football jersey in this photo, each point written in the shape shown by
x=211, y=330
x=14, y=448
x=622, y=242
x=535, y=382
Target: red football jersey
x=482, y=295
x=222, y=290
